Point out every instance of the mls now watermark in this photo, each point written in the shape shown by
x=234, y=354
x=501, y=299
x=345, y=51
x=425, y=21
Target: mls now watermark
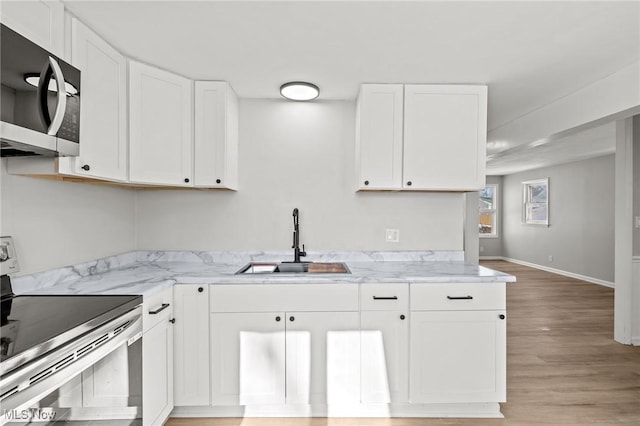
x=31, y=414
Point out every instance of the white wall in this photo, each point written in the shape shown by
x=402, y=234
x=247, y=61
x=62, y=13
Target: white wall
x=581, y=233
x=297, y=155
x=61, y=223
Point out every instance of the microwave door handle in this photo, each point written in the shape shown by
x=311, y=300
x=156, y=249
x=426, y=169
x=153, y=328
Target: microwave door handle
x=52, y=68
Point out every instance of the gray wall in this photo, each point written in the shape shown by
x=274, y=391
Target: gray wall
x=297, y=155
x=636, y=183
x=492, y=246
x=60, y=223
x=581, y=233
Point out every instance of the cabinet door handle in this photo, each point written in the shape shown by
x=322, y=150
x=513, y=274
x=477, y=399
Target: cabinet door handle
x=460, y=297
x=292, y=318
x=160, y=309
x=277, y=318
x=385, y=297
x=172, y=320
x=200, y=289
x=86, y=167
x=402, y=317
x=501, y=316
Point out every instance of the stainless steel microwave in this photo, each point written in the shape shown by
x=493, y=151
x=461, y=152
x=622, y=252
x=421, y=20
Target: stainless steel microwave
x=40, y=100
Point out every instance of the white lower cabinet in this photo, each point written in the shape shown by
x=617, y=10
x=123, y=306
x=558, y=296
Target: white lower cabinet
x=157, y=358
x=458, y=343
x=429, y=349
x=322, y=358
x=285, y=358
x=191, y=350
x=384, y=336
x=247, y=358
x=385, y=356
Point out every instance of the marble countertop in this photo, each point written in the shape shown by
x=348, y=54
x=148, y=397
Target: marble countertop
x=145, y=272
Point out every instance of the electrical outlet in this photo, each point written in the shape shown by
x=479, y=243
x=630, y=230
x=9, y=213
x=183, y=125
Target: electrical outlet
x=637, y=221
x=392, y=236
x=550, y=258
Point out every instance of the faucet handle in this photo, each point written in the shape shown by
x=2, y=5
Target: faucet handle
x=303, y=253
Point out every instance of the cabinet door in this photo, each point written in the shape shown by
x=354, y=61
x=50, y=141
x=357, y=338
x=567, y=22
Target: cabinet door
x=107, y=384
x=216, y=135
x=379, y=136
x=247, y=358
x=385, y=356
x=191, y=363
x=323, y=358
x=160, y=144
x=40, y=21
x=458, y=356
x=445, y=135
x=103, y=125
x=157, y=373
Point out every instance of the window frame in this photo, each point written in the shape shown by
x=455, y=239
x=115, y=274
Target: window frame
x=528, y=204
x=494, y=210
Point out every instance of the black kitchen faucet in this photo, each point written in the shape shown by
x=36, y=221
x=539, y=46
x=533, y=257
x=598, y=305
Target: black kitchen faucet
x=297, y=253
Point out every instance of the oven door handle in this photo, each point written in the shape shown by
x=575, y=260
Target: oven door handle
x=28, y=394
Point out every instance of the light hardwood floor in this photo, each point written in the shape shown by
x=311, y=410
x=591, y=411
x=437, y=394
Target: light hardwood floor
x=563, y=367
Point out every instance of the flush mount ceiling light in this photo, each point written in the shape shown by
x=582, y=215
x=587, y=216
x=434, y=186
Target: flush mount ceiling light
x=34, y=80
x=299, y=91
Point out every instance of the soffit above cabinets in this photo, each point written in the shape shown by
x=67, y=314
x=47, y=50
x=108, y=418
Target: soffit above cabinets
x=528, y=53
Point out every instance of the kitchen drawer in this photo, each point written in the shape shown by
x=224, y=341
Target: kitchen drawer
x=458, y=296
x=283, y=297
x=161, y=303
x=384, y=297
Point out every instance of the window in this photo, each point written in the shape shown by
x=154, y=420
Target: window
x=535, y=202
x=488, y=211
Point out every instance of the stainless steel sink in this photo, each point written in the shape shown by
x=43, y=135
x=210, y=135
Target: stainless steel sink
x=295, y=268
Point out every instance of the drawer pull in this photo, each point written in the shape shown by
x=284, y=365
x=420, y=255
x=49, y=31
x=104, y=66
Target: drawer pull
x=160, y=309
x=460, y=297
x=385, y=297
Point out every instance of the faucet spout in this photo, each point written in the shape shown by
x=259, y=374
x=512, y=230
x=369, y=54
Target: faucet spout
x=297, y=253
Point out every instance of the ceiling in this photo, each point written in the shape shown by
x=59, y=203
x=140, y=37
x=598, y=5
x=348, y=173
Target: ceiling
x=528, y=53
x=587, y=144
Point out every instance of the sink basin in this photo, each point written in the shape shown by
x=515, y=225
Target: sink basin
x=295, y=268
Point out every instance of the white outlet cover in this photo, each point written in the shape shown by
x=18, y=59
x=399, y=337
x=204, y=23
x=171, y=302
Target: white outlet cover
x=392, y=236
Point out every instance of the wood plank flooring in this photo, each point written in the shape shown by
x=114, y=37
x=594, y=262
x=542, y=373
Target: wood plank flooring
x=563, y=367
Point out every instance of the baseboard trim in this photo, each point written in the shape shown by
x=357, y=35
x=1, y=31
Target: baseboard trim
x=552, y=270
x=459, y=410
x=561, y=272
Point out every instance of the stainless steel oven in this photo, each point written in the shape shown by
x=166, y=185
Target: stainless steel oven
x=66, y=359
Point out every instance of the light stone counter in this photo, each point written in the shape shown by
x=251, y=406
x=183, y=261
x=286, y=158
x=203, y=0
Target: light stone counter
x=146, y=272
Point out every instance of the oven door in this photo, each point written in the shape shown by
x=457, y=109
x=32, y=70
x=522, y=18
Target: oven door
x=95, y=377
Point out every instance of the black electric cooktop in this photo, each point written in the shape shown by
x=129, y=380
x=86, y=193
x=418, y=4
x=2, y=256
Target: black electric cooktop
x=45, y=322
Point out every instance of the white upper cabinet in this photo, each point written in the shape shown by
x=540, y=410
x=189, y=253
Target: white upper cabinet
x=445, y=137
x=160, y=127
x=103, y=125
x=40, y=21
x=379, y=136
x=216, y=135
x=421, y=137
